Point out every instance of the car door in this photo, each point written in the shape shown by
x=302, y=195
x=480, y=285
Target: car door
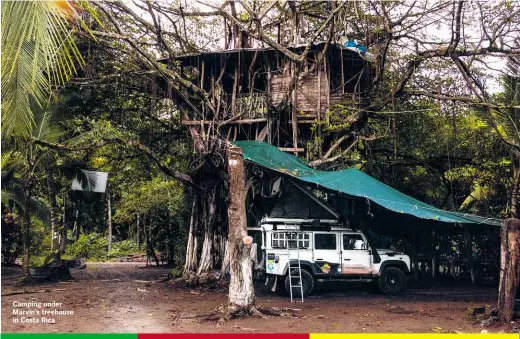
x=356, y=257
x=326, y=252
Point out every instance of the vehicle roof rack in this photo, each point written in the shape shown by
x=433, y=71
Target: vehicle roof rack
x=303, y=228
x=299, y=221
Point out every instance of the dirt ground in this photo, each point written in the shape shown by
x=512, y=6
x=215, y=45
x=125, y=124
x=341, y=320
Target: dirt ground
x=105, y=297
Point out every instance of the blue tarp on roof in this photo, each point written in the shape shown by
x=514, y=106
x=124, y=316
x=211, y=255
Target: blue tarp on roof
x=355, y=183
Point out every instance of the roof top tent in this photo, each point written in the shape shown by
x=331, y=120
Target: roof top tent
x=250, y=89
x=282, y=198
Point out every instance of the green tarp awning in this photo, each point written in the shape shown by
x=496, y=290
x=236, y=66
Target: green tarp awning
x=353, y=182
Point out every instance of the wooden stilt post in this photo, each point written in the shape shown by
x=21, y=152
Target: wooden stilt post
x=318, y=114
x=414, y=256
x=468, y=254
x=294, y=100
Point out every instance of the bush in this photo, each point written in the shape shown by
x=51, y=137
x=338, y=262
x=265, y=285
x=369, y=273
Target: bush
x=177, y=272
x=37, y=261
x=40, y=238
x=123, y=248
x=89, y=246
x=94, y=246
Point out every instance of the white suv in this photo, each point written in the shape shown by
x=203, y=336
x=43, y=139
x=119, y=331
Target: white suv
x=327, y=251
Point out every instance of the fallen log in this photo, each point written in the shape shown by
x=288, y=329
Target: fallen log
x=32, y=292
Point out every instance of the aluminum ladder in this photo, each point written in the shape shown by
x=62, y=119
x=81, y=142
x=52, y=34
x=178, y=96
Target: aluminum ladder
x=298, y=267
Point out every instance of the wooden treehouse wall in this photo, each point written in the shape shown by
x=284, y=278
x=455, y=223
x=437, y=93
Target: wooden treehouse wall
x=250, y=90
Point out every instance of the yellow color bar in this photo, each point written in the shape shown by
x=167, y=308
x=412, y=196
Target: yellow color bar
x=415, y=336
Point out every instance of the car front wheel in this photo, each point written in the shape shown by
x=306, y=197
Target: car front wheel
x=392, y=281
x=307, y=281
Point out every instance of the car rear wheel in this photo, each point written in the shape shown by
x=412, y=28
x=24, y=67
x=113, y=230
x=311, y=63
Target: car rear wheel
x=307, y=281
x=392, y=281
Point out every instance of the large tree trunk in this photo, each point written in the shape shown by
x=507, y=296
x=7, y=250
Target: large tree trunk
x=145, y=230
x=26, y=273
x=137, y=235
x=191, y=248
x=77, y=226
x=225, y=261
x=209, y=206
x=55, y=213
x=150, y=251
x=514, y=192
x=109, y=221
x=219, y=245
x=509, y=269
x=171, y=243
x=63, y=236
x=241, y=290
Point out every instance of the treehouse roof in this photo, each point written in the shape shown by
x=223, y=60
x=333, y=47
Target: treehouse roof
x=193, y=59
x=353, y=183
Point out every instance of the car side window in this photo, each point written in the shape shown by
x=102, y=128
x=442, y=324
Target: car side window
x=354, y=242
x=324, y=241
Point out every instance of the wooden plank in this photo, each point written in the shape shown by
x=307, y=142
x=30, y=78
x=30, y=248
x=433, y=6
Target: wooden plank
x=342, y=74
x=202, y=75
x=236, y=122
x=306, y=121
x=327, y=72
x=234, y=94
x=291, y=149
x=267, y=127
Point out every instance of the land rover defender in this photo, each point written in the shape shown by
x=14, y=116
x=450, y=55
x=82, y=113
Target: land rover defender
x=324, y=250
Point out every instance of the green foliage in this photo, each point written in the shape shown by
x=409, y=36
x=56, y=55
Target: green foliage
x=41, y=238
x=177, y=272
x=92, y=246
x=145, y=196
x=11, y=237
x=37, y=261
x=443, y=157
x=124, y=248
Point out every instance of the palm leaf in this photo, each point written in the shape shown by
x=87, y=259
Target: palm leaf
x=46, y=128
x=87, y=179
x=13, y=195
x=38, y=52
x=479, y=193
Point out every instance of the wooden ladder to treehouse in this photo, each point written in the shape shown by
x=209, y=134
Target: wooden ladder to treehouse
x=297, y=267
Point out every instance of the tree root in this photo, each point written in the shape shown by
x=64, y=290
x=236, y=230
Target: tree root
x=223, y=314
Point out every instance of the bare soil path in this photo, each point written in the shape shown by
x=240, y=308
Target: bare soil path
x=105, y=297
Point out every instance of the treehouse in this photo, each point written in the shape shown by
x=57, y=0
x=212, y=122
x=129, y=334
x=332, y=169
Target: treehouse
x=261, y=94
